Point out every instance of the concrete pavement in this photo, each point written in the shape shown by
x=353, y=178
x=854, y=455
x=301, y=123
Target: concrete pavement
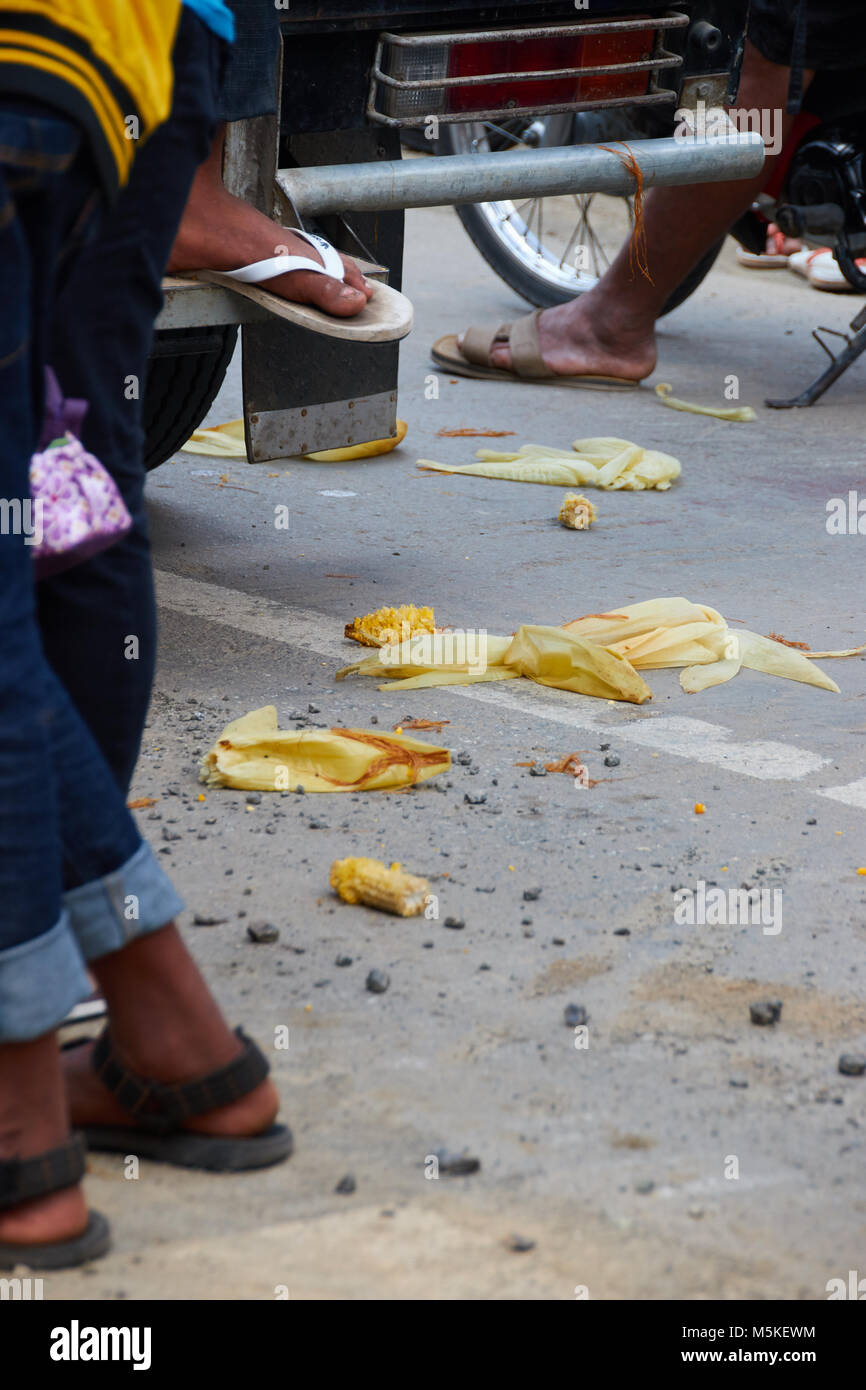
x=683, y=1153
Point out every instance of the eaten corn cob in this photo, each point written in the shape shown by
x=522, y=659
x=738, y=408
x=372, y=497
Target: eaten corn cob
x=576, y=512
x=368, y=881
x=388, y=626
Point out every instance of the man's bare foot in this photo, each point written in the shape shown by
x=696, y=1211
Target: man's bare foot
x=165, y=1026
x=221, y=232
x=33, y=1120
x=57, y=1217
x=588, y=338
x=91, y=1104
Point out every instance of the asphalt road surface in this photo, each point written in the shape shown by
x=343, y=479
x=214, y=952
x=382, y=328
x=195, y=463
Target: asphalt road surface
x=683, y=1152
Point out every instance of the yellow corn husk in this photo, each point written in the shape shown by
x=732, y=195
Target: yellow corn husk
x=451, y=655
x=658, y=632
x=674, y=632
x=605, y=462
x=547, y=655
x=576, y=512
x=389, y=625
x=253, y=753
x=600, y=654
x=361, y=451
x=390, y=890
x=734, y=412
x=551, y=656
x=219, y=441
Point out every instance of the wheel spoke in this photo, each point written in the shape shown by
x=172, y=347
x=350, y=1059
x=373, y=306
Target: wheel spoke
x=520, y=226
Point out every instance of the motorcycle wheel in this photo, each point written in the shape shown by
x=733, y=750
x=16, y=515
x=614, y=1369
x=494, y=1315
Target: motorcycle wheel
x=549, y=250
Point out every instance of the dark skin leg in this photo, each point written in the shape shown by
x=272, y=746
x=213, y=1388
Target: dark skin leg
x=611, y=329
x=33, y=1118
x=165, y=1025
x=221, y=232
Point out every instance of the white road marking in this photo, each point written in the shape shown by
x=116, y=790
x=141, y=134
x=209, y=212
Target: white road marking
x=693, y=739
x=853, y=793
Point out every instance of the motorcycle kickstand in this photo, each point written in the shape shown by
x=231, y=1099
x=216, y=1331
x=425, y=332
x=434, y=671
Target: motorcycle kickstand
x=839, y=362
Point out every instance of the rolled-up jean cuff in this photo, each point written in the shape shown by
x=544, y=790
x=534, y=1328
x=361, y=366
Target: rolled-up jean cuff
x=40, y=981
x=108, y=913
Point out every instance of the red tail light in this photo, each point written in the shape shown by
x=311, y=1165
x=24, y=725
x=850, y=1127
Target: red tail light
x=548, y=55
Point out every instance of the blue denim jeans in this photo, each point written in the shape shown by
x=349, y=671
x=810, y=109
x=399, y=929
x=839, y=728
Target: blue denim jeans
x=100, y=340
x=59, y=802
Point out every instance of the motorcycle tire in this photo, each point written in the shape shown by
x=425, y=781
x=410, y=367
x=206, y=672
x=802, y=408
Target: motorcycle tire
x=519, y=274
x=516, y=273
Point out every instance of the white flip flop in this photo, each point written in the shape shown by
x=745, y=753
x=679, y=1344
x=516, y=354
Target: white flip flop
x=385, y=318
x=801, y=261
x=761, y=260
x=823, y=272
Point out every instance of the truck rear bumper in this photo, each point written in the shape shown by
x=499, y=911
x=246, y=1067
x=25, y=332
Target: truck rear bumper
x=386, y=185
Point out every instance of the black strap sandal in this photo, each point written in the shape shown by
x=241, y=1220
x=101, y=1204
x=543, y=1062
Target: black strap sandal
x=21, y=1179
x=160, y=1111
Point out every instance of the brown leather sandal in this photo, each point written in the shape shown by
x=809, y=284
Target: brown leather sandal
x=527, y=363
x=22, y=1179
x=159, y=1112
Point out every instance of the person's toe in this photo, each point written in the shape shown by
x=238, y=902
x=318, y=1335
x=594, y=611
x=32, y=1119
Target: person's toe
x=336, y=296
x=354, y=279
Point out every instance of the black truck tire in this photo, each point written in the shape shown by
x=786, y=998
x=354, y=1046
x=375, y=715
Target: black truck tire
x=186, y=370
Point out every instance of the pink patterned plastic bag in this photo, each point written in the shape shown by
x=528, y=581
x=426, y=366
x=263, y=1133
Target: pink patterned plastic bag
x=76, y=507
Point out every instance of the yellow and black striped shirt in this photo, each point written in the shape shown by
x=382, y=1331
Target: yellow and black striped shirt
x=106, y=63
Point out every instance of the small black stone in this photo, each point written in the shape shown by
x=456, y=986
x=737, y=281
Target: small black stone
x=765, y=1012
x=531, y=895
x=575, y=1015
x=519, y=1244
x=852, y=1064
x=478, y=800
x=377, y=981
x=612, y=760
x=262, y=932
x=811, y=820
x=739, y=1083
x=455, y=923
x=205, y=919
x=343, y=960
x=254, y=798
x=314, y=709
x=346, y=1186
x=538, y=772
x=457, y=1165
x=622, y=931
x=464, y=759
